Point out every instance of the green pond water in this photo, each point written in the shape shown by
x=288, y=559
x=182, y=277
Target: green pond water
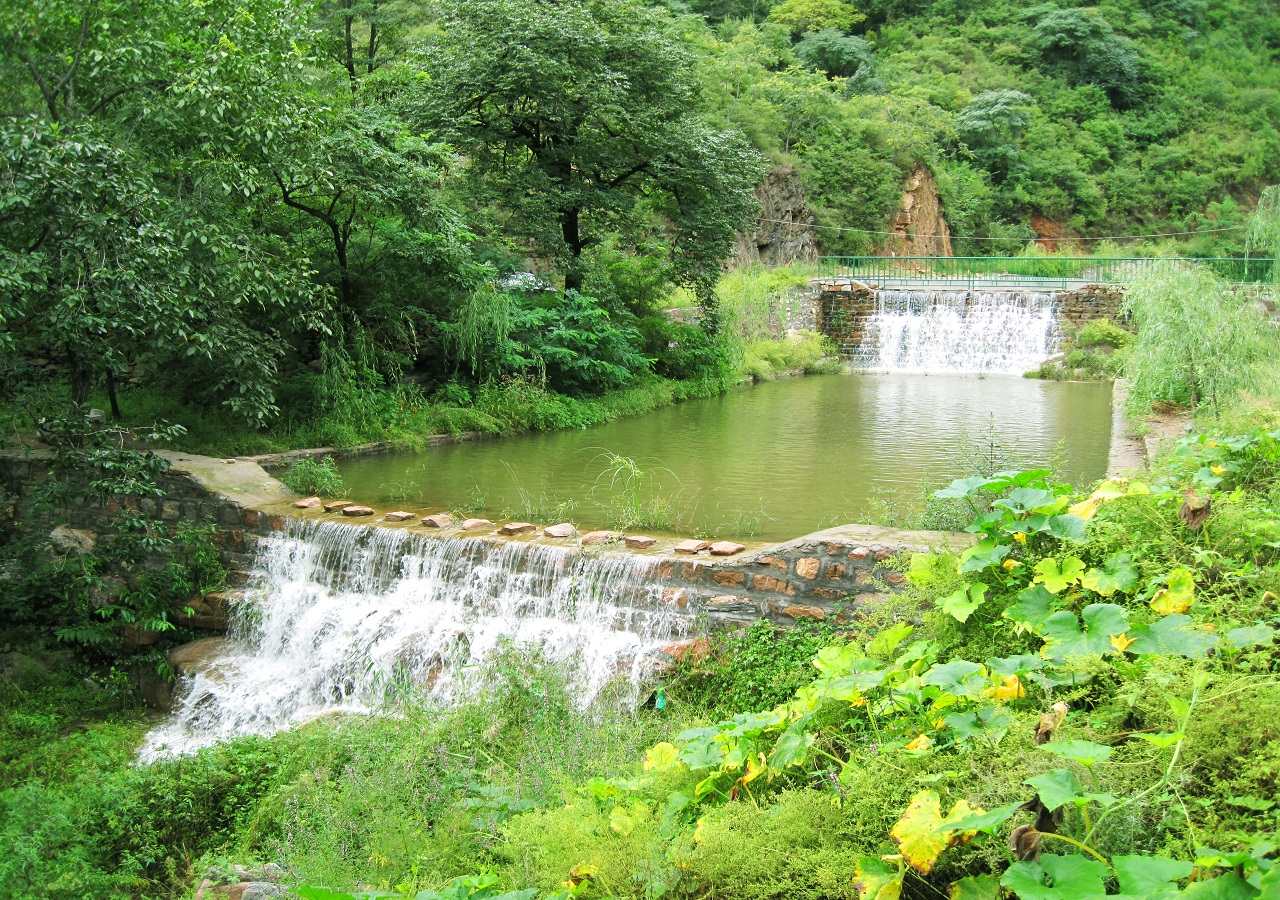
x=771, y=462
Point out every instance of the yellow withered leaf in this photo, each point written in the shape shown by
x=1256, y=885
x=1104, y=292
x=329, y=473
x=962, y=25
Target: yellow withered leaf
x=1178, y=596
x=923, y=834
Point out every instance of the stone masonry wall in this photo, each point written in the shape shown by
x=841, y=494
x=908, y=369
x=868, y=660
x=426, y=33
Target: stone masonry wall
x=185, y=499
x=843, y=306
x=833, y=574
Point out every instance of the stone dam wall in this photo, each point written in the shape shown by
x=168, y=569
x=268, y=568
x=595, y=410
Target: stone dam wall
x=844, y=306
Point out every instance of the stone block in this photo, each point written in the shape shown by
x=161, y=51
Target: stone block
x=895, y=578
x=474, y=524
x=804, y=612
x=252, y=518
x=864, y=577
x=399, y=515
x=882, y=555
x=276, y=523
x=309, y=503
x=775, y=562
x=355, y=511
x=595, y=538
x=726, y=548
x=514, y=528
x=335, y=505
x=677, y=597
x=834, y=548
x=829, y=594
x=690, y=571
x=776, y=585
x=807, y=567
x=665, y=570
x=728, y=577
x=692, y=650
x=731, y=604
x=563, y=530
x=640, y=542
x=859, y=553
x=835, y=571
x=693, y=545
x=444, y=520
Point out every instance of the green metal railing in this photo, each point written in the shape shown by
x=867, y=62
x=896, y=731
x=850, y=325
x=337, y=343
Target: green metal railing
x=1032, y=271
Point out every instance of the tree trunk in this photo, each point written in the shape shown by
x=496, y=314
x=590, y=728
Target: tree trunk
x=570, y=231
x=111, y=395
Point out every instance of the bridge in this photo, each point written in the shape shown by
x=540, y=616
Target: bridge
x=1043, y=273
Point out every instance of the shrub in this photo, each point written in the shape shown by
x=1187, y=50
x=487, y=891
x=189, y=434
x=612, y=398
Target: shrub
x=314, y=476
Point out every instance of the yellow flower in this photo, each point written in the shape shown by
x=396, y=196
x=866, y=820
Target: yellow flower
x=922, y=742
x=1020, y=537
x=1217, y=470
x=1011, y=689
x=1121, y=641
x=1010, y=564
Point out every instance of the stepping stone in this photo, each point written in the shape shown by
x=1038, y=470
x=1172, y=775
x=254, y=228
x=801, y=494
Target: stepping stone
x=640, y=542
x=693, y=545
x=357, y=511
x=512, y=528
x=399, y=516
x=601, y=537
x=309, y=503
x=473, y=524
x=439, y=520
x=337, y=505
x=563, y=530
x=726, y=548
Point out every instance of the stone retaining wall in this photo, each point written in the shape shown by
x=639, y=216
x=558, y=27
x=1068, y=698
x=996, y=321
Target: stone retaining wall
x=843, y=306
x=832, y=574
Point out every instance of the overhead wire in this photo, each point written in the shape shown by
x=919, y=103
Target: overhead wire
x=1118, y=237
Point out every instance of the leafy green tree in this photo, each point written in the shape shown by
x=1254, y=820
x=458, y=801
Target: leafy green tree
x=362, y=36
x=838, y=54
x=1083, y=45
x=815, y=15
x=990, y=126
x=572, y=114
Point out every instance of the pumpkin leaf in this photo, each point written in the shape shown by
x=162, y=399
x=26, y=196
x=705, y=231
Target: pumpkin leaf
x=923, y=834
x=1143, y=876
x=662, y=757
x=1065, y=637
x=959, y=678
x=875, y=879
x=1251, y=636
x=987, y=552
x=1034, y=607
x=975, y=887
x=963, y=602
x=1057, y=577
x=1118, y=573
x=1056, y=788
x=1174, y=635
x=1178, y=596
x=1086, y=753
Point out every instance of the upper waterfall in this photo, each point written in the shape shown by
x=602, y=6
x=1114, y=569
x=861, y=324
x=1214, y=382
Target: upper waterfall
x=1006, y=332
x=339, y=618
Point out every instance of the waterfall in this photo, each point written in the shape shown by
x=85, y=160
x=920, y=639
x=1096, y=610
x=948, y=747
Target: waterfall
x=1007, y=332
x=340, y=617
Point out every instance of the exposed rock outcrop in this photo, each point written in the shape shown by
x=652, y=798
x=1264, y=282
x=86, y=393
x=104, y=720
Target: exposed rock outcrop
x=919, y=224
x=783, y=232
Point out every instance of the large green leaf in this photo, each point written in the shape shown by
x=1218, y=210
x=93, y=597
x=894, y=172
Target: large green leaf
x=959, y=678
x=1057, y=577
x=962, y=604
x=1225, y=887
x=987, y=820
x=1067, y=527
x=1174, y=635
x=975, y=887
x=961, y=488
x=1034, y=607
x=1065, y=637
x=1251, y=636
x=1027, y=500
x=991, y=723
x=1143, y=876
x=704, y=753
x=1084, y=752
x=1056, y=788
x=987, y=552
x=792, y=747
x=1118, y=573
x=1056, y=878
x=1015, y=665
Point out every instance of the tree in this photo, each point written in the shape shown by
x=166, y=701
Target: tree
x=1082, y=44
x=802, y=16
x=990, y=126
x=117, y=243
x=838, y=54
x=580, y=118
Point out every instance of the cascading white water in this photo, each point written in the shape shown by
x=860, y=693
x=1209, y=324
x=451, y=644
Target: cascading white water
x=338, y=617
x=1007, y=332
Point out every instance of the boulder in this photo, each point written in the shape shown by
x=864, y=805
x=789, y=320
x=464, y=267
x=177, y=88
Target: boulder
x=72, y=540
x=513, y=528
x=357, y=511
x=726, y=548
x=399, y=516
x=592, y=538
x=473, y=524
x=309, y=503
x=335, y=505
x=439, y=520
x=693, y=545
x=640, y=542
x=195, y=656
x=563, y=530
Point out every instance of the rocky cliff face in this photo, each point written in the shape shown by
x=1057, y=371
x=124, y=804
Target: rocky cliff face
x=783, y=232
x=919, y=225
